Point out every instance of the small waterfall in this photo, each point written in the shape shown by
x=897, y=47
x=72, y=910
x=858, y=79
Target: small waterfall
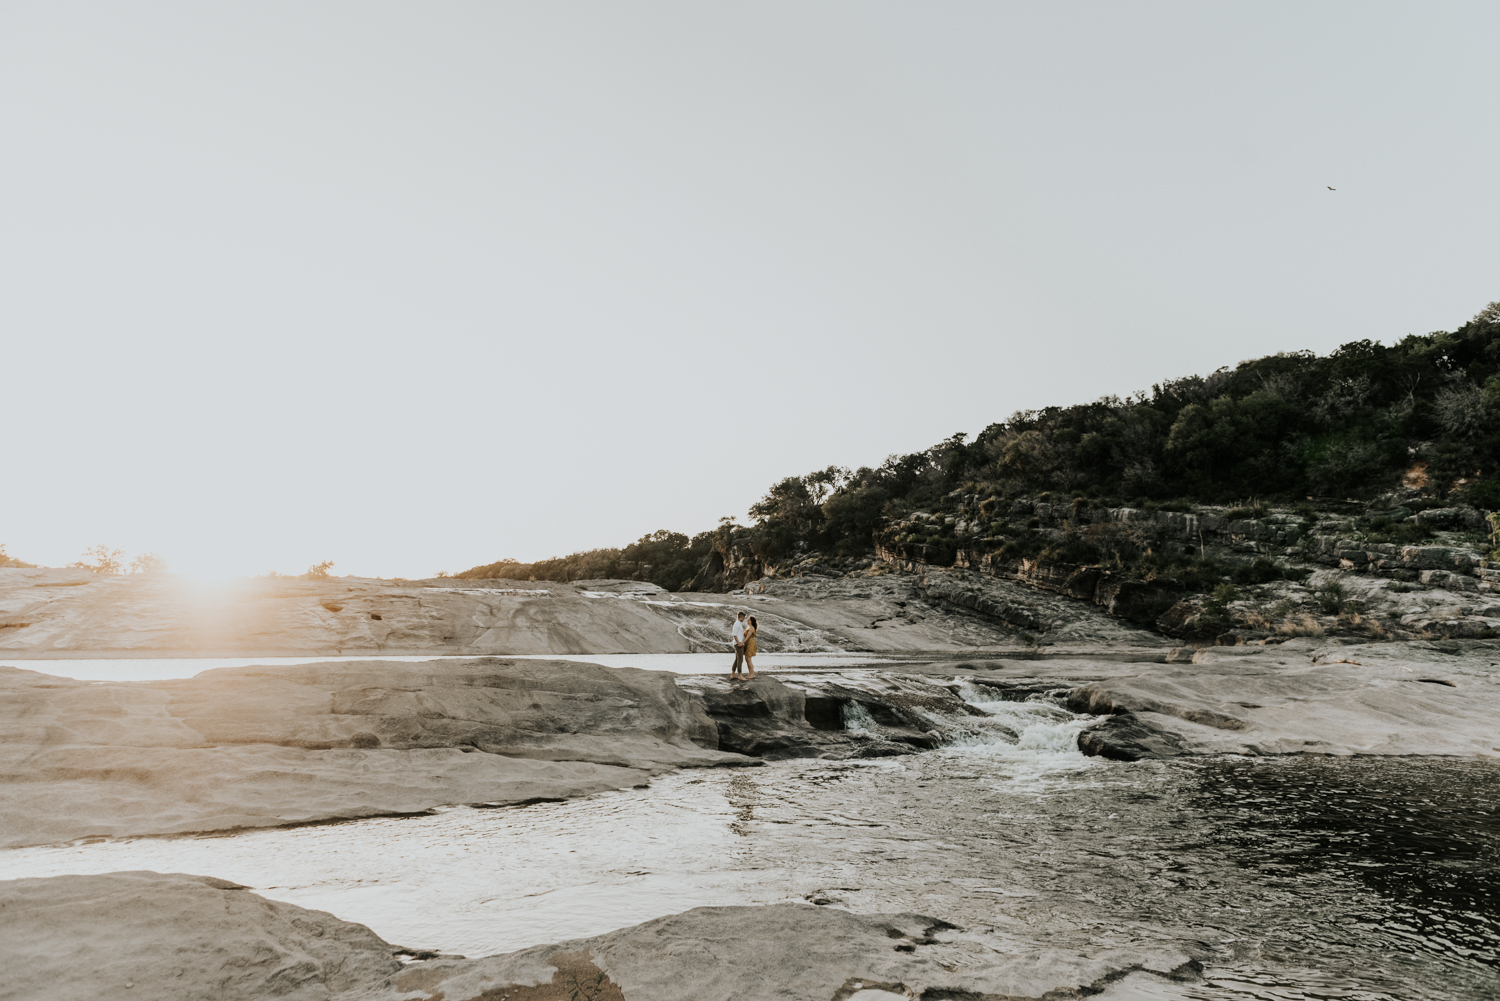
x=1035, y=727
x=857, y=717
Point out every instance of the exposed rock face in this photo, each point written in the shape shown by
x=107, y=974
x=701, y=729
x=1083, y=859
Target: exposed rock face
x=1444, y=588
x=72, y=612
x=1302, y=697
x=727, y=571
x=274, y=745
x=251, y=747
x=61, y=611
x=183, y=938
x=938, y=608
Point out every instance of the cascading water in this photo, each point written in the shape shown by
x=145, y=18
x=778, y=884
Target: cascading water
x=1036, y=725
x=856, y=717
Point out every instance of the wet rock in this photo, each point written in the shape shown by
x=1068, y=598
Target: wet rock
x=767, y=719
x=1097, y=700
x=1021, y=689
x=1128, y=737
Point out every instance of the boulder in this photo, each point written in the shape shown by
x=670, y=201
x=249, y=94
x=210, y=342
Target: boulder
x=1128, y=737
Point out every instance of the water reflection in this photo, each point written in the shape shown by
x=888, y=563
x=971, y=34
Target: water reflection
x=741, y=794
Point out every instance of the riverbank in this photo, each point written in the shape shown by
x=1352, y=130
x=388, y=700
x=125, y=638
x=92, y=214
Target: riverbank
x=68, y=613
x=266, y=746
x=1021, y=818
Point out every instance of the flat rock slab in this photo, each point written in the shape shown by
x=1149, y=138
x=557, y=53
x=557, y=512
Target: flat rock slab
x=174, y=937
x=261, y=746
x=1302, y=697
x=58, y=613
x=787, y=952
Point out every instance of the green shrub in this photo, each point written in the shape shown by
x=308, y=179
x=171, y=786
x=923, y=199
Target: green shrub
x=1243, y=513
x=1219, y=602
x=1401, y=533
x=1261, y=571
x=1483, y=494
x=1333, y=598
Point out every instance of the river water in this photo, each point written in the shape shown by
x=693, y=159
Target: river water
x=1365, y=879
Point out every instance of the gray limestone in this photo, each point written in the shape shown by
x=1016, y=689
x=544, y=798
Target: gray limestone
x=174, y=937
x=71, y=613
x=263, y=746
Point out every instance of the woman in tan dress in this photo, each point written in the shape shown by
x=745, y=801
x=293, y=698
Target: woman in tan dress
x=750, y=647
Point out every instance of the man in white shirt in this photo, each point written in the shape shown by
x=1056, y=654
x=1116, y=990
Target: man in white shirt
x=739, y=646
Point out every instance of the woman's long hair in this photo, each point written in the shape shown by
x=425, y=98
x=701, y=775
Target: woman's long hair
x=753, y=623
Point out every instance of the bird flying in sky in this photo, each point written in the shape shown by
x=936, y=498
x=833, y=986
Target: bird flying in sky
x=1330, y=187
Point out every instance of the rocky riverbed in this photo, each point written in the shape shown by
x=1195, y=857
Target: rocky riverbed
x=975, y=817
x=258, y=746
x=978, y=870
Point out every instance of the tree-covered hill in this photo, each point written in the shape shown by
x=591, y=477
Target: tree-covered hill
x=1422, y=415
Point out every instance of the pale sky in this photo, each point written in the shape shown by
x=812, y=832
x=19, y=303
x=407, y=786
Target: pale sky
x=414, y=287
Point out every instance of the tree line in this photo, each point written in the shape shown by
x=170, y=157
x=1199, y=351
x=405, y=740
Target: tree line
x=1364, y=419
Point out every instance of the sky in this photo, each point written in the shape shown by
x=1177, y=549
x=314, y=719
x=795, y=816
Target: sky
x=415, y=287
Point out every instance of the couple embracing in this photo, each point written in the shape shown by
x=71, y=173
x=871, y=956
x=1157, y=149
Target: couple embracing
x=744, y=646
